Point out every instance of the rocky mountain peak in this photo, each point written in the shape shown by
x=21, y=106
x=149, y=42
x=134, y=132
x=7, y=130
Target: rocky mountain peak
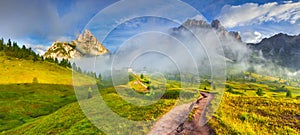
x=87, y=35
x=85, y=45
x=88, y=44
x=217, y=25
x=196, y=23
x=60, y=49
x=236, y=35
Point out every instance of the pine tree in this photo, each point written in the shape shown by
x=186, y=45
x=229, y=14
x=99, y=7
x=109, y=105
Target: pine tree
x=15, y=46
x=62, y=63
x=74, y=66
x=35, y=58
x=23, y=48
x=79, y=70
x=1, y=41
x=99, y=81
x=9, y=43
x=56, y=60
x=69, y=64
x=99, y=77
x=1, y=44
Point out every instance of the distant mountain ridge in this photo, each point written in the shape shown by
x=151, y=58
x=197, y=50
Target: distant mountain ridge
x=281, y=48
x=228, y=41
x=215, y=24
x=85, y=45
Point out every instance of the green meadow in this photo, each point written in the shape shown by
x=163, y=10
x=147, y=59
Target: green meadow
x=37, y=97
x=29, y=90
x=258, y=105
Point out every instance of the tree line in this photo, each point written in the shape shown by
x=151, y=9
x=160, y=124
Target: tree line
x=12, y=49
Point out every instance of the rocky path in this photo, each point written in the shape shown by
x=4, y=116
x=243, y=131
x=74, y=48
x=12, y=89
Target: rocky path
x=176, y=121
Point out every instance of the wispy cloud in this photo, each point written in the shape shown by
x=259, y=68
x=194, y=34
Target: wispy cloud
x=257, y=21
x=130, y=28
x=253, y=13
x=40, y=49
x=119, y=13
x=44, y=20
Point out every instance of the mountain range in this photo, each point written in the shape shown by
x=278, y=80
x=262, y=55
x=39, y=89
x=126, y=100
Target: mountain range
x=281, y=49
x=215, y=24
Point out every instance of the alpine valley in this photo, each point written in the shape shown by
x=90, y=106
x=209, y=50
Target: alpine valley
x=260, y=93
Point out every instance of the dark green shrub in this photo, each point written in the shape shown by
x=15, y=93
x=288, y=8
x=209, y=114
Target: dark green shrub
x=260, y=92
x=289, y=94
x=243, y=117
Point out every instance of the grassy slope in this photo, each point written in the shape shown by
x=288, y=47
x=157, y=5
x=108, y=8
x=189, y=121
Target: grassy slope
x=242, y=111
x=23, y=71
x=19, y=71
x=26, y=105
x=236, y=115
x=71, y=120
x=23, y=101
x=270, y=86
x=67, y=120
x=257, y=115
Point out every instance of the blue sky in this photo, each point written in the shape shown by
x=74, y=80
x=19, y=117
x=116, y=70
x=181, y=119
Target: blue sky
x=37, y=23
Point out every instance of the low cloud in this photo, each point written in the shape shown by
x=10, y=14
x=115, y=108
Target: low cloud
x=252, y=36
x=40, y=49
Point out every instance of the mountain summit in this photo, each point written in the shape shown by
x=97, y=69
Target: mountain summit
x=85, y=45
x=88, y=44
x=215, y=24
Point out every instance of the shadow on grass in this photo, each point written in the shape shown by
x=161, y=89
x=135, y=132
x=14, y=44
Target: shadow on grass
x=22, y=103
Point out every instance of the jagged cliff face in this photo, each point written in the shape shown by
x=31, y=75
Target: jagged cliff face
x=63, y=50
x=85, y=45
x=195, y=24
x=89, y=45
